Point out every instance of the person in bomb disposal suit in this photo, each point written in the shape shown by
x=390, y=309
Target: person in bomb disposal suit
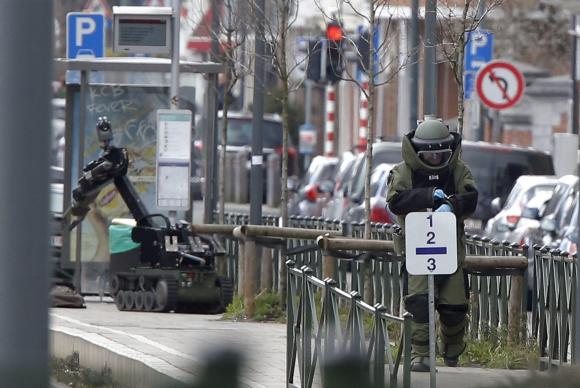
x=433, y=177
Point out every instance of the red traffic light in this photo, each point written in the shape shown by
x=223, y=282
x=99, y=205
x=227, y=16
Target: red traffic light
x=334, y=32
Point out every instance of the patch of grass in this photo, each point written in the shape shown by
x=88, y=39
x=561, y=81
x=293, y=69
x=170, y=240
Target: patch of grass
x=68, y=371
x=494, y=349
x=268, y=308
x=235, y=310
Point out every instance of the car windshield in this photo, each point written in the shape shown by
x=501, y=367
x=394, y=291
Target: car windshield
x=375, y=181
x=554, y=203
x=344, y=173
x=240, y=132
x=495, y=171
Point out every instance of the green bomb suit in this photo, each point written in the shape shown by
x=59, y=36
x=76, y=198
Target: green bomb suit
x=411, y=186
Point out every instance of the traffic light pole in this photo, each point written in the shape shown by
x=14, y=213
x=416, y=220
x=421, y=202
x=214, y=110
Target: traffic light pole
x=308, y=85
x=414, y=67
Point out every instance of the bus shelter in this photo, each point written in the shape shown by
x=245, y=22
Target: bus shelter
x=129, y=91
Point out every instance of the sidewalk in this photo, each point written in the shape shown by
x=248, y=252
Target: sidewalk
x=152, y=349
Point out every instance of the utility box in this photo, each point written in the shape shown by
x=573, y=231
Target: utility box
x=565, y=154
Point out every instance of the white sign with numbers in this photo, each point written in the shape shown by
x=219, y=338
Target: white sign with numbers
x=430, y=243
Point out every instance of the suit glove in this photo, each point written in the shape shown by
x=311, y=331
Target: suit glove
x=439, y=194
x=444, y=208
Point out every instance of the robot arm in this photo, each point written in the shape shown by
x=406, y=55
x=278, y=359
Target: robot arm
x=97, y=174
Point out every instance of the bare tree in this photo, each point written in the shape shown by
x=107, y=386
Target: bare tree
x=457, y=18
x=231, y=37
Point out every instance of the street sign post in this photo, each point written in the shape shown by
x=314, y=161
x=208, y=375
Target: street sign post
x=478, y=52
x=500, y=85
x=431, y=250
x=85, y=35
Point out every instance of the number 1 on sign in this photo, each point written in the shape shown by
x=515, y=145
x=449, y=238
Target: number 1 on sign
x=430, y=218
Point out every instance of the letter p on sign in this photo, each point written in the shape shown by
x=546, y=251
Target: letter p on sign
x=85, y=35
x=84, y=26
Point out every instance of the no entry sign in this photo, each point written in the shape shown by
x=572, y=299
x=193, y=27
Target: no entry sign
x=499, y=85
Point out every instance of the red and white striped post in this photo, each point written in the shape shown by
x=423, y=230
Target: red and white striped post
x=330, y=118
x=363, y=121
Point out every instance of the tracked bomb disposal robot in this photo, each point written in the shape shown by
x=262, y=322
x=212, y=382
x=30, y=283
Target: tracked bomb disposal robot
x=176, y=269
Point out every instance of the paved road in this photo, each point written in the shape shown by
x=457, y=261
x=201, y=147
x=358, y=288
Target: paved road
x=177, y=345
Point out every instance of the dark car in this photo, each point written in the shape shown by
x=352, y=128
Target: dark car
x=496, y=167
x=239, y=138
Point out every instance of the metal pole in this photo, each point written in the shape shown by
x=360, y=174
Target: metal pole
x=174, y=91
x=574, y=76
x=481, y=122
x=432, y=360
x=174, y=88
x=256, y=173
x=211, y=157
x=25, y=74
x=414, y=67
x=80, y=166
x=430, y=73
x=576, y=329
x=308, y=101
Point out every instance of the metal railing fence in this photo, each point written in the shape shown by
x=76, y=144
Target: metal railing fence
x=553, y=301
x=492, y=302
x=323, y=320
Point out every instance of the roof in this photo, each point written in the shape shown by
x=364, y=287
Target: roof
x=136, y=64
x=466, y=144
x=534, y=180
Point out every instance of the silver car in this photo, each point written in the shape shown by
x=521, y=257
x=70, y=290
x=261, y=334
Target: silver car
x=316, y=189
x=506, y=220
x=379, y=211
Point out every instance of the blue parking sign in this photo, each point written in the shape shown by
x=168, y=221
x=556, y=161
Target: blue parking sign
x=479, y=49
x=85, y=35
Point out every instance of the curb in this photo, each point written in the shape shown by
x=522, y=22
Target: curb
x=129, y=367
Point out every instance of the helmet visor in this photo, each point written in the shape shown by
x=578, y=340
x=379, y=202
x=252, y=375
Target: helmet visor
x=436, y=158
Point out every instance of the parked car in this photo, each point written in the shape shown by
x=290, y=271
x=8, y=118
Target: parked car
x=495, y=168
x=569, y=242
x=239, y=138
x=334, y=206
x=379, y=211
x=530, y=219
x=505, y=221
x=316, y=188
x=558, y=210
x=383, y=152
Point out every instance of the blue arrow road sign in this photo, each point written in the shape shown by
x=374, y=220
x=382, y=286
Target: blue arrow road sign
x=479, y=49
x=85, y=35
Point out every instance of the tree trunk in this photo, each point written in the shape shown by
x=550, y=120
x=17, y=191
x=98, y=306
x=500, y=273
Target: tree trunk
x=367, y=289
x=459, y=79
